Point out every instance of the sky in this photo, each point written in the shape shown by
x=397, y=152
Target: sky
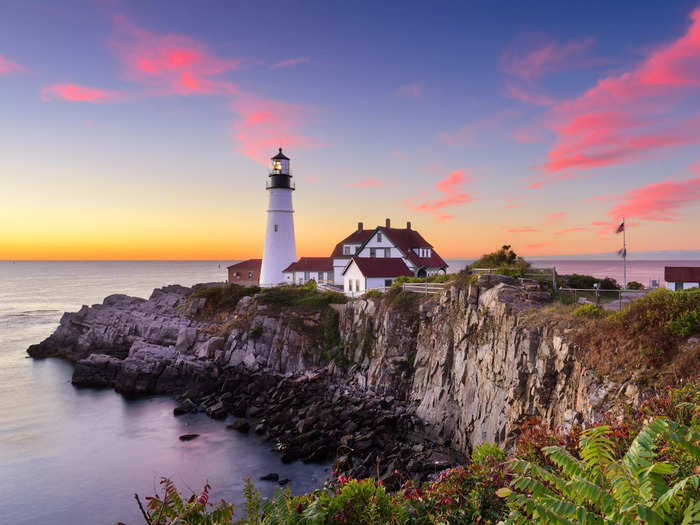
x=143, y=130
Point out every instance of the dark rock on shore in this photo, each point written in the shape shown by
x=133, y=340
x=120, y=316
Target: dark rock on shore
x=270, y=477
x=188, y=437
x=239, y=424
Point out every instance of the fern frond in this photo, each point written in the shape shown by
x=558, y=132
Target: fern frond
x=561, y=457
x=691, y=516
x=642, y=450
x=597, y=451
x=594, y=494
x=671, y=498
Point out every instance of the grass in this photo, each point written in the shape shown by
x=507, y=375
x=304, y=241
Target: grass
x=646, y=335
x=222, y=298
x=300, y=297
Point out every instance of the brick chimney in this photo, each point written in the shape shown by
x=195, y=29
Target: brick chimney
x=388, y=223
x=408, y=225
x=360, y=226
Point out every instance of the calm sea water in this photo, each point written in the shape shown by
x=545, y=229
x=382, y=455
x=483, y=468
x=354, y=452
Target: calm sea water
x=76, y=456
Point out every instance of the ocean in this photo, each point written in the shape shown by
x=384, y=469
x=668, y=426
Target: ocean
x=76, y=456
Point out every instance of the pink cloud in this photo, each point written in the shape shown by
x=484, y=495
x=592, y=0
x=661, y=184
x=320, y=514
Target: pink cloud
x=264, y=125
x=546, y=58
x=661, y=201
x=7, y=66
x=523, y=229
x=536, y=246
x=528, y=95
x=540, y=180
x=634, y=114
x=290, y=62
x=369, y=182
x=77, y=93
x=170, y=63
x=554, y=217
x=570, y=230
x=451, y=194
x=414, y=90
x=470, y=132
x=512, y=202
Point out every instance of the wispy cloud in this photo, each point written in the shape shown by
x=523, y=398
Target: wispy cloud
x=555, y=217
x=527, y=62
x=78, y=93
x=8, y=67
x=451, y=193
x=469, y=133
x=290, y=62
x=661, y=201
x=170, y=64
x=523, y=229
x=633, y=114
x=571, y=230
x=369, y=182
x=414, y=90
x=264, y=125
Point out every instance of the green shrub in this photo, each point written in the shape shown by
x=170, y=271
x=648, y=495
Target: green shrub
x=634, y=285
x=223, y=298
x=588, y=310
x=576, y=280
x=599, y=486
x=501, y=258
x=684, y=324
x=300, y=296
x=487, y=453
x=373, y=294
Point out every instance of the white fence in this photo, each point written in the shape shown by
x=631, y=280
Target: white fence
x=424, y=288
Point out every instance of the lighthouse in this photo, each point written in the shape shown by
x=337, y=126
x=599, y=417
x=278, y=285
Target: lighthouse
x=280, y=246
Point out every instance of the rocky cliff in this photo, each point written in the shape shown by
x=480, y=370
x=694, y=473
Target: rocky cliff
x=474, y=364
x=470, y=363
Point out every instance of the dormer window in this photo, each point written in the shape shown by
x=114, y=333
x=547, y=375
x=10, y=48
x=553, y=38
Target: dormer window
x=346, y=250
x=379, y=236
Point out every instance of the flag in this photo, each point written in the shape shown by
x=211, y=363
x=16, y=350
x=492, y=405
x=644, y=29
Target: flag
x=622, y=252
x=621, y=227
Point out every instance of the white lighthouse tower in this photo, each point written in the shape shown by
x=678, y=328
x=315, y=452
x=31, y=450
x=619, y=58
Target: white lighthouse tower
x=280, y=246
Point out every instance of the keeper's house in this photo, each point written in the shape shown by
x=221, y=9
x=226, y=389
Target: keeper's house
x=385, y=254
x=681, y=277
x=245, y=273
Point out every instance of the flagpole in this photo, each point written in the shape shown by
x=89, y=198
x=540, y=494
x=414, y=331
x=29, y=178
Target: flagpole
x=624, y=254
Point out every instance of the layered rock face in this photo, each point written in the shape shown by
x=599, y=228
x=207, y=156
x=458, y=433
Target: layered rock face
x=476, y=368
x=469, y=363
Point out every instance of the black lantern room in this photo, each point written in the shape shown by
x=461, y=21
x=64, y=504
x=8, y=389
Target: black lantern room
x=280, y=174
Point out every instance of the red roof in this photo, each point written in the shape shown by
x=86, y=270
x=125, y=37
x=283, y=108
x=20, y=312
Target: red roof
x=311, y=264
x=247, y=265
x=682, y=274
x=357, y=237
x=381, y=266
x=406, y=240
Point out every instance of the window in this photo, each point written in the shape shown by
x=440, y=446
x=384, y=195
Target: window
x=306, y=276
x=379, y=236
x=346, y=250
x=679, y=287
x=276, y=227
x=250, y=275
x=387, y=252
x=237, y=274
x=329, y=276
x=387, y=282
x=372, y=252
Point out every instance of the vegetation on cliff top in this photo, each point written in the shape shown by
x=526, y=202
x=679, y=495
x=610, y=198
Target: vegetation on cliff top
x=642, y=467
x=648, y=335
